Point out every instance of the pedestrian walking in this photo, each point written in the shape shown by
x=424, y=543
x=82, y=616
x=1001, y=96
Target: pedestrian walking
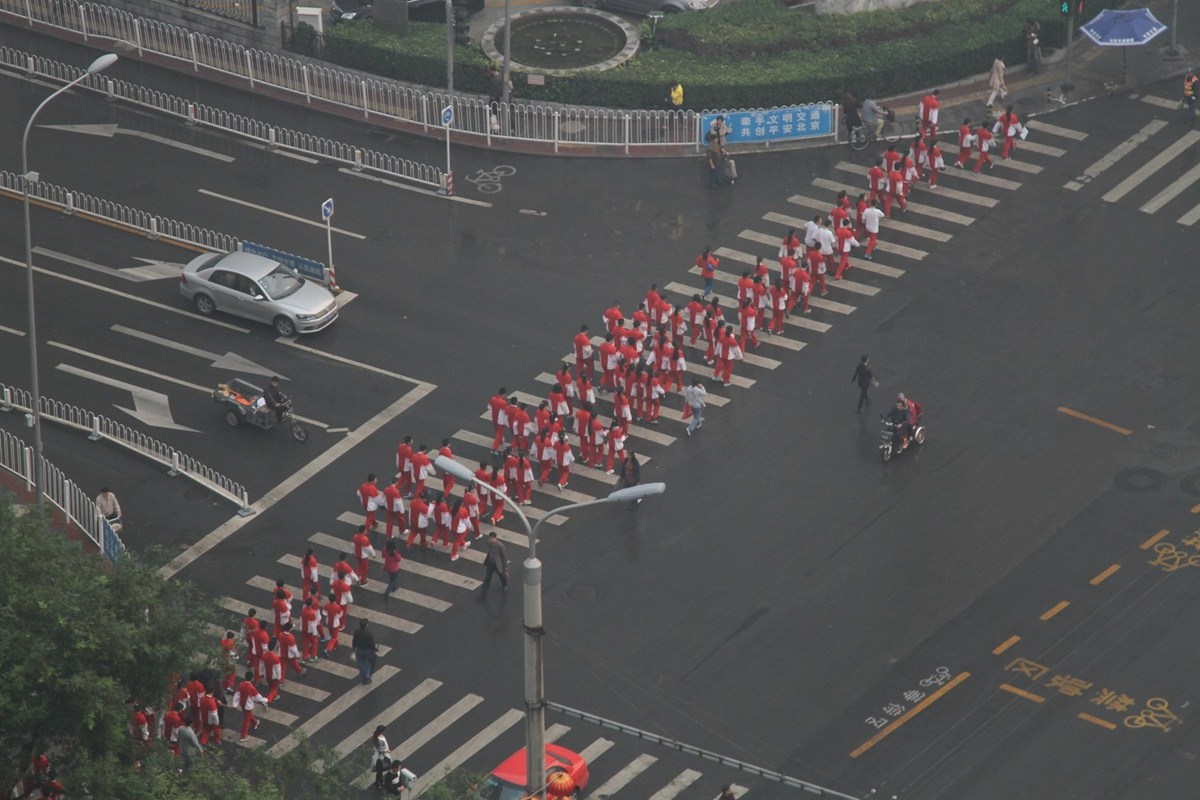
x=189, y=745
x=693, y=398
x=896, y=191
x=865, y=380
x=393, y=780
x=447, y=476
x=871, y=218
x=877, y=176
x=210, y=717
x=262, y=639
x=244, y=698
x=382, y=755
x=845, y=243
x=393, y=504
x=936, y=162
x=827, y=240
x=369, y=498
x=495, y=562
x=983, y=143
x=418, y=520
x=996, y=83
x=391, y=567
x=335, y=621
x=309, y=629
x=918, y=153
x=1191, y=86
x=631, y=471
x=966, y=140
x=460, y=521
x=309, y=574
x=172, y=722
x=404, y=452
x=273, y=667
x=1033, y=47
x=228, y=660
x=289, y=651
x=363, y=553
x=716, y=157
x=365, y=649
x=421, y=467
x=927, y=113
x=1009, y=126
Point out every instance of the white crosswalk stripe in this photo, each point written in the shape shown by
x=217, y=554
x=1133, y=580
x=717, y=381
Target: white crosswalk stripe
x=1116, y=154
x=677, y=785
x=1191, y=217
x=624, y=777
x=333, y=710
x=466, y=750
x=1152, y=166
x=1161, y=102
x=1176, y=188
x=968, y=174
x=422, y=737
x=596, y=749
x=950, y=194
x=1019, y=166
x=1054, y=130
x=1042, y=149
x=386, y=717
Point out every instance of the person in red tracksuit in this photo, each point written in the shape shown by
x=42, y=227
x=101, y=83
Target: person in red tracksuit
x=418, y=520
x=840, y=210
x=707, y=263
x=890, y=157
x=545, y=454
x=845, y=243
x=460, y=523
x=244, y=698
x=896, y=192
x=595, y=437
x=471, y=503
x=720, y=350
x=1008, y=126
x=654, y=395
x=309, y=574
x=566, y=380
x=441, y=516
x=363, y=553
x=558, y=399
x=983, y=144
x=918, y=153
x=613, y=317
x=422, y=468
x=695, y=317
x=262, y=638
x=965, y=141
x=210, y=720
x=228, y=647
x=369, y=496
x=273, y=665
x=498, y=482
x=172, y=722
x=497, y=404
x=779, y=305
x=524, y=480
x=335, y=620
x=936, y=162
x=583, y=352
x=583, y=418
x=393, y=505
x=608, y=364
x=860, y=206
x=447, y=478
x=564, y=457
x=289, y=651
x=404, y=452
x=878, y=178
x=282, y=606
x=927, y=112
x=309, y=632
x=816, y=268
x=748, y=319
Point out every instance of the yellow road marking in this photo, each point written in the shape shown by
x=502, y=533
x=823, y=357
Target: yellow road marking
x=1080, y=415
x=1196, y=509
x=912, y=712
x=1022, y=693
x=1153, y=540
x=1053, y=611
x=1009, y=642
x=1103, y=723
x=1105, y=575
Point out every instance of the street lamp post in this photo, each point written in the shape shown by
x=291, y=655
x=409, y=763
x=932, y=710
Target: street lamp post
x=535, y=685
x=27, y=177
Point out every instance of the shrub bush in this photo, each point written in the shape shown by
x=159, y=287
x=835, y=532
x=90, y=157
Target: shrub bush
x=745, y=54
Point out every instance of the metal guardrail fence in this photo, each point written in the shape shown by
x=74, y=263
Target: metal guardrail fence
x=708, y=755
x=100, y=427
x=18, y=459
x=266, y=134
x=475, y=119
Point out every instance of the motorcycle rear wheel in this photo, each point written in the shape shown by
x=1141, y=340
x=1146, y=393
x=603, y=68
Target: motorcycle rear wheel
x=886, y=452
x=299, y=432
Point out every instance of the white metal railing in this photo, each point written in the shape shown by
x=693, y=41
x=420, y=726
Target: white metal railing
x=475, y=119
x=100, y=427
x=79, y=510
x=263, y=133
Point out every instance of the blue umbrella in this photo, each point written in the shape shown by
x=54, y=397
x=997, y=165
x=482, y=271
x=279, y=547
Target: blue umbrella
x=1113, y=28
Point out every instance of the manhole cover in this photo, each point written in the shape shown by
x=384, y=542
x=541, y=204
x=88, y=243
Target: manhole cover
x=1139, y=480
x=555, y=40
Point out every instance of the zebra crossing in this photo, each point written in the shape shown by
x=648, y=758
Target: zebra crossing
x=443, y=729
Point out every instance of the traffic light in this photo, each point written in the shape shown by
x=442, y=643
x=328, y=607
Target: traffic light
x=1069, y=7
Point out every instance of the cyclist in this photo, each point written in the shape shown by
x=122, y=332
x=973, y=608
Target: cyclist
x=873, y=116
x=852, y=108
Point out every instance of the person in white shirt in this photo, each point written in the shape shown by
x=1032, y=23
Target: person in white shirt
x=810, y=232
x=871, y=218
x=110, y=508
x=825, y=240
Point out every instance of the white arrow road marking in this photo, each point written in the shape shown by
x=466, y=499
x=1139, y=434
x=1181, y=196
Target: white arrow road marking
x=158, y=374
x=150, y=408
x=109, y=130
x=277, y=213
x=133, y=297
x=230, y=361
x=154, y=270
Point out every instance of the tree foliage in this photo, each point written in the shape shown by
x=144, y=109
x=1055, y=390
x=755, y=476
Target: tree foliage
x=80, y=639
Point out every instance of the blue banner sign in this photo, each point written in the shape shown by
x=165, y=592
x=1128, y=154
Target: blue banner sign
x=305, y=266
x=772, y=125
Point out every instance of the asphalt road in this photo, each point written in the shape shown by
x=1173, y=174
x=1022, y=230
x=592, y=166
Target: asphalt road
x=790, y=601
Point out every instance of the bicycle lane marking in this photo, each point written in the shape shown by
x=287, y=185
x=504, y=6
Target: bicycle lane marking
x=430, y=192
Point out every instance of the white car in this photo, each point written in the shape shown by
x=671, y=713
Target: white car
x=259, y=289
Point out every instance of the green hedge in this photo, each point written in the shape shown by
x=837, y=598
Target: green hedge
x=746, y=54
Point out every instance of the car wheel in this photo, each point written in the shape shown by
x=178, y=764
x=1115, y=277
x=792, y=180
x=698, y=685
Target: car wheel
x=204, y=304
x=285, y=327
x=232, y=419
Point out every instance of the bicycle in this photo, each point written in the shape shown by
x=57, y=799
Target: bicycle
x=891, y=132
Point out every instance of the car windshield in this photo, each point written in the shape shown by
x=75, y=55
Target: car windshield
x=493, y=789
x=281, y=283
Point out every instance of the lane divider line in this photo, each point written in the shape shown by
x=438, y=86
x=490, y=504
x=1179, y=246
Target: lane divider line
x=1103, y=723
x=912, y=712
x=1022, y=693
x=1055, y=610
x=1153, y=540
x=1105, y=575
x=1007, y=643
x=1086, y=418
